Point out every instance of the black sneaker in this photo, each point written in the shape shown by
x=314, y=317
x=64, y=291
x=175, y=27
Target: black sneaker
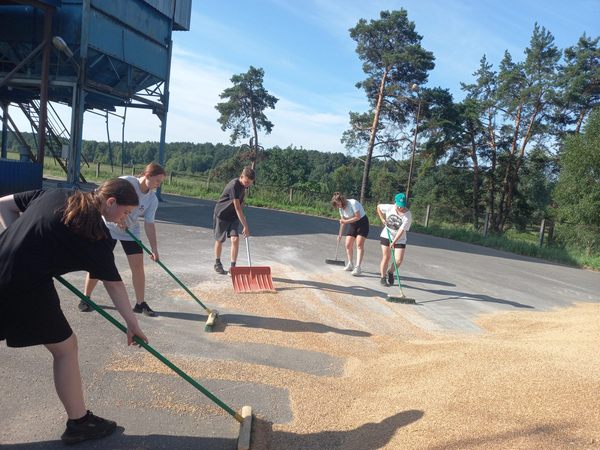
x=383, y=281
x=390, y=278
x=144, y=309
x=84, y=307
x=88, y=427
x=219, y=269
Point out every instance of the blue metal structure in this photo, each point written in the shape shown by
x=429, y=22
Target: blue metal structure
x=95, y=54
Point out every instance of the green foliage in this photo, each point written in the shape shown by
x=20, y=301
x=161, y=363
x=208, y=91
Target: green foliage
x=578, y=190
x=578, y=83
x=388, y=181
x=346, y=179
x=246, y=101
x=577, y=193
x=533, y=195
x=285, y=167
x=394, y=61
x=448, y=187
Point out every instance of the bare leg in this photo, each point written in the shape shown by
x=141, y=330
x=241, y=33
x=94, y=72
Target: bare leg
x=350, y=248
x=67, y=378
x=360, y=249
x=385, y=259
x=90, y=284
x=136, y=263
x=218, y=249
x=235, y=247
x=399, y=254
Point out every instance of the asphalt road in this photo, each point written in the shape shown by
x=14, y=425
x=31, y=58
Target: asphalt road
x=453, y=283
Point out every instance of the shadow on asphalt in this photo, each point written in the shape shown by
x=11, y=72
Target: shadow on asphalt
x=287, y=325
x=403, y=279
x=359, y=291
x=369, y=436
x=425, y=281
x=121, y=441
x=171, y=314
x=266, y=323
x=455, y=295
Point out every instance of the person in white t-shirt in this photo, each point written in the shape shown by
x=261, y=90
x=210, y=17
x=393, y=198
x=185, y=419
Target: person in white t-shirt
x=352, y=214
x=144, y=185
x=396, y=219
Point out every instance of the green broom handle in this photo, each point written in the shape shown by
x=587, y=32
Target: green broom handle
x=394, y=258
x=150, y=349
x=167, y=270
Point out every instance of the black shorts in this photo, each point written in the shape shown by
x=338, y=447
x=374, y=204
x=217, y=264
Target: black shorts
x=386, y=243
x=130, y=247
x=358, y=228
x=226, y=228
x=32, y=316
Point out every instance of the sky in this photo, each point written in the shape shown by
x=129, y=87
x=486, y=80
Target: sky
x=310, y=63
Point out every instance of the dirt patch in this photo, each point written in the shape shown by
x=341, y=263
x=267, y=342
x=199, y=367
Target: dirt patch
x=531, y=380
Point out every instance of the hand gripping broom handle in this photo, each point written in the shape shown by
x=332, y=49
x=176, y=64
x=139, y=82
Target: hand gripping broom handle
x=150, y=349
x=394, y=260
x=168, y=271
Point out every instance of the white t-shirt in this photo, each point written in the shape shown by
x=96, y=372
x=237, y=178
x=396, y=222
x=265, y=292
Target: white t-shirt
x=146, y=209
x=352, y=207
x=394, y=221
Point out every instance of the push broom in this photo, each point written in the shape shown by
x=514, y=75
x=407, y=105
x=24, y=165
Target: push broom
x=245, y=418
x=398, y=298
x=212, y=313
x=337, y=262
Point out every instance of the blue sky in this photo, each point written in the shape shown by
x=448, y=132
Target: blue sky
x=311, y=65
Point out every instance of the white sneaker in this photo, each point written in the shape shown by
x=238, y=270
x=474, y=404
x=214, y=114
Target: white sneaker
x=356, y=272
x=349, y=267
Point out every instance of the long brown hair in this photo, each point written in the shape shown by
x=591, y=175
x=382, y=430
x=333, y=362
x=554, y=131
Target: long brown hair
x=152, y=170
x=338, y=199
x=82, y=210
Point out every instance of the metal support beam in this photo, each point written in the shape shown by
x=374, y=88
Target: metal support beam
x=23, y=63
x=78, y=106
x=4, y=145
x=44, y=86
x=162, y=115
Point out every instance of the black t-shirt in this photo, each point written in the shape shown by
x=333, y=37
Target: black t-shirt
x=224, y=208
x=38, y=246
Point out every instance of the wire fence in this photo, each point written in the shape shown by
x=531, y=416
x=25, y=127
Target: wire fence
x=543, y=232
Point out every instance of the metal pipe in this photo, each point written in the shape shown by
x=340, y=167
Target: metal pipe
x=4, y=145
x=162, y=115
x=43, y=117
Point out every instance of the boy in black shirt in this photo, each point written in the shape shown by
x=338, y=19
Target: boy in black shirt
x=228, y=217
x=50, y=233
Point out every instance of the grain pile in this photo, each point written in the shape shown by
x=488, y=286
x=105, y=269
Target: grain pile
x=531, y=380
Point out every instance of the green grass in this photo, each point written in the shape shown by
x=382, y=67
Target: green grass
x=519, y=242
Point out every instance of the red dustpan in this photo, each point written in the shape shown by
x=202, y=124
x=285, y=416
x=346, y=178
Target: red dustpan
x=251, y=278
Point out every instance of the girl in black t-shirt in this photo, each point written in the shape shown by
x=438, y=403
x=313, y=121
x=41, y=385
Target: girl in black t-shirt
x=50, y=233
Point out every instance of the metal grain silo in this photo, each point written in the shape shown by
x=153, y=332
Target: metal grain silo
x=88, y=54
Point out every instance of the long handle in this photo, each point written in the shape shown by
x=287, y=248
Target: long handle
x=247, y=239
x=150, y=349
x=168, y=271
x=394, y=260
x=337, y=246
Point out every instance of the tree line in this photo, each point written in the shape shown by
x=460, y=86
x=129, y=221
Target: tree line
x=505, y=150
